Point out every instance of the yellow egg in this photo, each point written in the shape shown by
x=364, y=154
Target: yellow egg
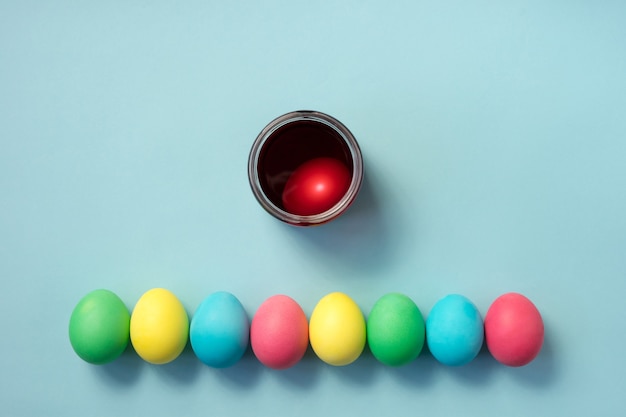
x=159, y=326
x=337, y=329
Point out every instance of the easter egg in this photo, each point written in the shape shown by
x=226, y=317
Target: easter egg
x=159, y=326
x=454, y=330
x=219, y=330
x=514, y=330
x=316, y=186
x=99, y=327
x=279, y=333
x=395, y=330
x=337, y=330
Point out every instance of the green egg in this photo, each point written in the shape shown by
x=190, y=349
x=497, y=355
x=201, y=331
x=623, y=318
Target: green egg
x=395, y=330
x=99, y=327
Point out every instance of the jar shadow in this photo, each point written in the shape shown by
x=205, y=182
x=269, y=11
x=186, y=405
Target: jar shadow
x=358, y=240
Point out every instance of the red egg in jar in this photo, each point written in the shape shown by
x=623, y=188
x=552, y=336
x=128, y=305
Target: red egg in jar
x=514, y=330
x=316, y=186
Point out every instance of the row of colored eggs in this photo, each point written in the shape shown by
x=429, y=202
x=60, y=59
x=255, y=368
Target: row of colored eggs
x=279, y=333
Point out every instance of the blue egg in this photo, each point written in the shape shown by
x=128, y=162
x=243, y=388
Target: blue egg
x=219, y=330
x=454, y=330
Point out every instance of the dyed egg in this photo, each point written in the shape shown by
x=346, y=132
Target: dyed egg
x=219, y=330
x=513, y=330
x=99, y=327
x=337, y=330
x=454, y=330
x=395, y=330
x=316, y=186
x=279, y=333
x=159, y=326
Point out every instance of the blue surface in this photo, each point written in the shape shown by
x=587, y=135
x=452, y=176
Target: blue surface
x=494, y=137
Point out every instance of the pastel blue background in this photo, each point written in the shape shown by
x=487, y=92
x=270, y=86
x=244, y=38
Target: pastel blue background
x=494, y=137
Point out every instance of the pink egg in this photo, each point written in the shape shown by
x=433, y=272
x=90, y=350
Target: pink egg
x=513, y=330
x=279, y=333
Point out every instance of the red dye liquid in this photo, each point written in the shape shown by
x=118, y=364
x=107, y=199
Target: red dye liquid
x=292, y=145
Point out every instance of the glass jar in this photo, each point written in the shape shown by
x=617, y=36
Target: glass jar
x=289, y=141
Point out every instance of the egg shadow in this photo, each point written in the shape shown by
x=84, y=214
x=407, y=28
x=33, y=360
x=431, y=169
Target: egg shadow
x=246, y=373
x=125, y=371
x=479, y=372
x=422, y=371
x=360, y=237
x=303, y=375
x=184, y=369
x=418, y=373
x=363, y=372
x=542, y=371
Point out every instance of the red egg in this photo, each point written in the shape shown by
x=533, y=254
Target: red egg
x=279, y=332
x=316, y=186
x=513, y=330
